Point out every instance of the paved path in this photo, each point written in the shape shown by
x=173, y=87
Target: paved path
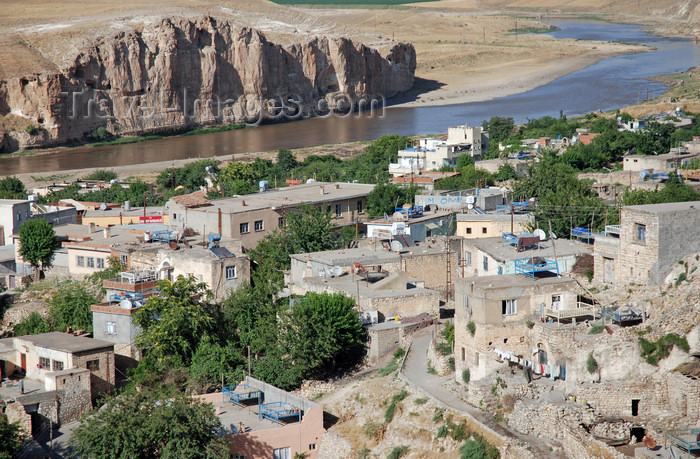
x=445, y=390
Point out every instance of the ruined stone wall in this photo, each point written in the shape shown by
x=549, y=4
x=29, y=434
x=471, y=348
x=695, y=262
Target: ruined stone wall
x=431, y=268
x=683, y=395
x=436, y=359
x=102, y=379
x=615, y=399
x=383, y=342
x=606, y=247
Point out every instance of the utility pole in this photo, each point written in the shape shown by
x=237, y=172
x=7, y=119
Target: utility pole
x=512, y=216
x=554, y=247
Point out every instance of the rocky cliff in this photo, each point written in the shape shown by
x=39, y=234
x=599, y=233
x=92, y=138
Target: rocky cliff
x=181, y=73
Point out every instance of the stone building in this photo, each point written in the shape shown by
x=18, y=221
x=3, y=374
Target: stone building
x=502, y=310
x=251, y=217
x=474, y=226
x=657, y=163
x=649, y=242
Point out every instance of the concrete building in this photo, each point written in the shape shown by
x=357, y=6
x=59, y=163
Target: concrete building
x=125, y=216
x=56, y=215
x=431, y=154
x=62, y=376
x=496, y=256
x=298, y=432
x=493, y=165
x=499, y=308
x=419, y=225
x=473, y=226
x=251, y=217
x=13, y=212
x=386, y=337
x=657, y=163
x=485, y=199
x=427, y=262
x=222, y=270
x=649, y=242
x=391, y=295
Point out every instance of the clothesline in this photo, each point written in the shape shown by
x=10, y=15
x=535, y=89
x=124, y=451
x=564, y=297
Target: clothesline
x=551, y=371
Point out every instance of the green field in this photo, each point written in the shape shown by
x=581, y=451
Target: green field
x=349, y=2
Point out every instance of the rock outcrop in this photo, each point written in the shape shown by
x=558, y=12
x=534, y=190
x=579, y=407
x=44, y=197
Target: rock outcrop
x=181, y=73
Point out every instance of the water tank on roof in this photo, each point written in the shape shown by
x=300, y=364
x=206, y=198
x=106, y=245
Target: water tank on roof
x=125, y=304
x=310, y=180
x=33, y=198
x=214, y=237
x=127, y=205
x=263, y=185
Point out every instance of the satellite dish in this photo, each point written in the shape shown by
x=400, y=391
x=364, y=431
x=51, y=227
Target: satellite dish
x=552, y=235
x=396, y=246
x=125, y=304
x=337, y=271
x=103, y=207
x=471, y=199
x=398, y=216
x=540, y=234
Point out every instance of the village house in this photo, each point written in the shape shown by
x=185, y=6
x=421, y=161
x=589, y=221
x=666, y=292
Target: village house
x=474, y=199
x=493, y=165
x=510, y=252
x=494, y=312
x=424, y=180
x=62, y=375
x=648, y=243
x=413, y=222
x=253, y=216
x=125, y=215
x=658, y=163
x=473, y=225
x=261, y=420
x=13, y=212
x=431, y=154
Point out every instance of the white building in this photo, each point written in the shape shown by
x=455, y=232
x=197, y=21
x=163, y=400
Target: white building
x=13, y=212
x=432, y=154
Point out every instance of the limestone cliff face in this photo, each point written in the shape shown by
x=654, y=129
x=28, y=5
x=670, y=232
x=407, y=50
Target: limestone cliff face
x=181, y=73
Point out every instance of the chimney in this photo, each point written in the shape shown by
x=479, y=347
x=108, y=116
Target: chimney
x=107, y=233
x=92, y=227
x=323, y=190
x=243, y=203
x=337, y=186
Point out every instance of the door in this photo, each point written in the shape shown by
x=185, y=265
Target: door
x=12, y=282
x=23, y=362
x=609, y=264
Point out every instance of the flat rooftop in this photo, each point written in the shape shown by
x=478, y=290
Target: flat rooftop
x=11, y=202
x=666, y=207
x=368, y=255
x=493, y=217
x=65, y=342
x=352, y=284
x=513, y=280
x=132, y=212
x=505, y=252
x=309, y=193
x=427, y=216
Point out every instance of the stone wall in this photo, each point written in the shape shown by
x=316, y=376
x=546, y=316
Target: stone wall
x=382, y=342
x=606, y=247
x=102, y=379
x=14, y=412
x=431, y=267
x=74, y=399
x=684, y=395
x=436, y=359
x=615, y=399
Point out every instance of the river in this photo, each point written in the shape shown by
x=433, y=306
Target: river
x=608, y=84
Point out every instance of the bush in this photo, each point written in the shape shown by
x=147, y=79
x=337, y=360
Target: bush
x=653, y=351
x=589, y=274
x=399, y=353
x=451, y=363
x=591, y=364
x=374, y=430
x=398, y=452
x=471, y=327
x=104, y=175
x=391, y=408
x=390, y=368
x=31, y=129
x=98, y=135
x=466, y=375
x=363, y=453
x=443, y=348
x=421, y=401
x=442, y=431
x=530, y=324
x=33, y=324
x=596, y=329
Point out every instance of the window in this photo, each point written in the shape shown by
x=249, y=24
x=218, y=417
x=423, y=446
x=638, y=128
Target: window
x=124, y=259
x=100, y=263
x=174, y=216
x=360, y=207
x=464, y=354
x=468, y=258
x=57, y=366
x=338, y=210
x=312, y=446
x=483, y=230
x=509, y=307
x=258, y=225
x=282, y=453
x=556, y=301
x=469, y=230
x=500, y=270
x=486, y=263
x=111, y=328
x=80, y=261
x=641, y=232
x=467, y=304
x=244, y=228
x=93, y=365
x=280, y=222
x=90, y=262
x=45, y=363
x=230, y=272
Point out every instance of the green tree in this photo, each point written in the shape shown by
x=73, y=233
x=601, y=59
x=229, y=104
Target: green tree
x=309, y=229
x=320, y=332
x=142, y=425
x=11, y=438
x=104, y=175
x=211, y=361
x=70, y=307
x=191, y=176
x=385, y=197
x=238, y=178
x=174, y=322
x=499, y=128
x=464, y=160
x=12, y=188
x=33, y=324
x=38, y=244
x=505, y=172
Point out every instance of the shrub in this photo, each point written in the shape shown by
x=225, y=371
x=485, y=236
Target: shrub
x=442, y=431
x=391, y=408
x=374, y=430
x=398, y=452
x=399, y=353
x=431, y=369
x=363, y=453
x=31, y=129
x=443, y=348
x=591, y=363
x=449, y=334
x=390, y=368
x=653, y=351
x=596, y=329
x=98, y=135
x=33, y=324
x=104, y=175
x=589, y=274
x=451, y=363
x=466, y=375
x=530, y=324
x=421, y=401
x=471, y=327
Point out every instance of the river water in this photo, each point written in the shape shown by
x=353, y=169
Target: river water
x=608, y=84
